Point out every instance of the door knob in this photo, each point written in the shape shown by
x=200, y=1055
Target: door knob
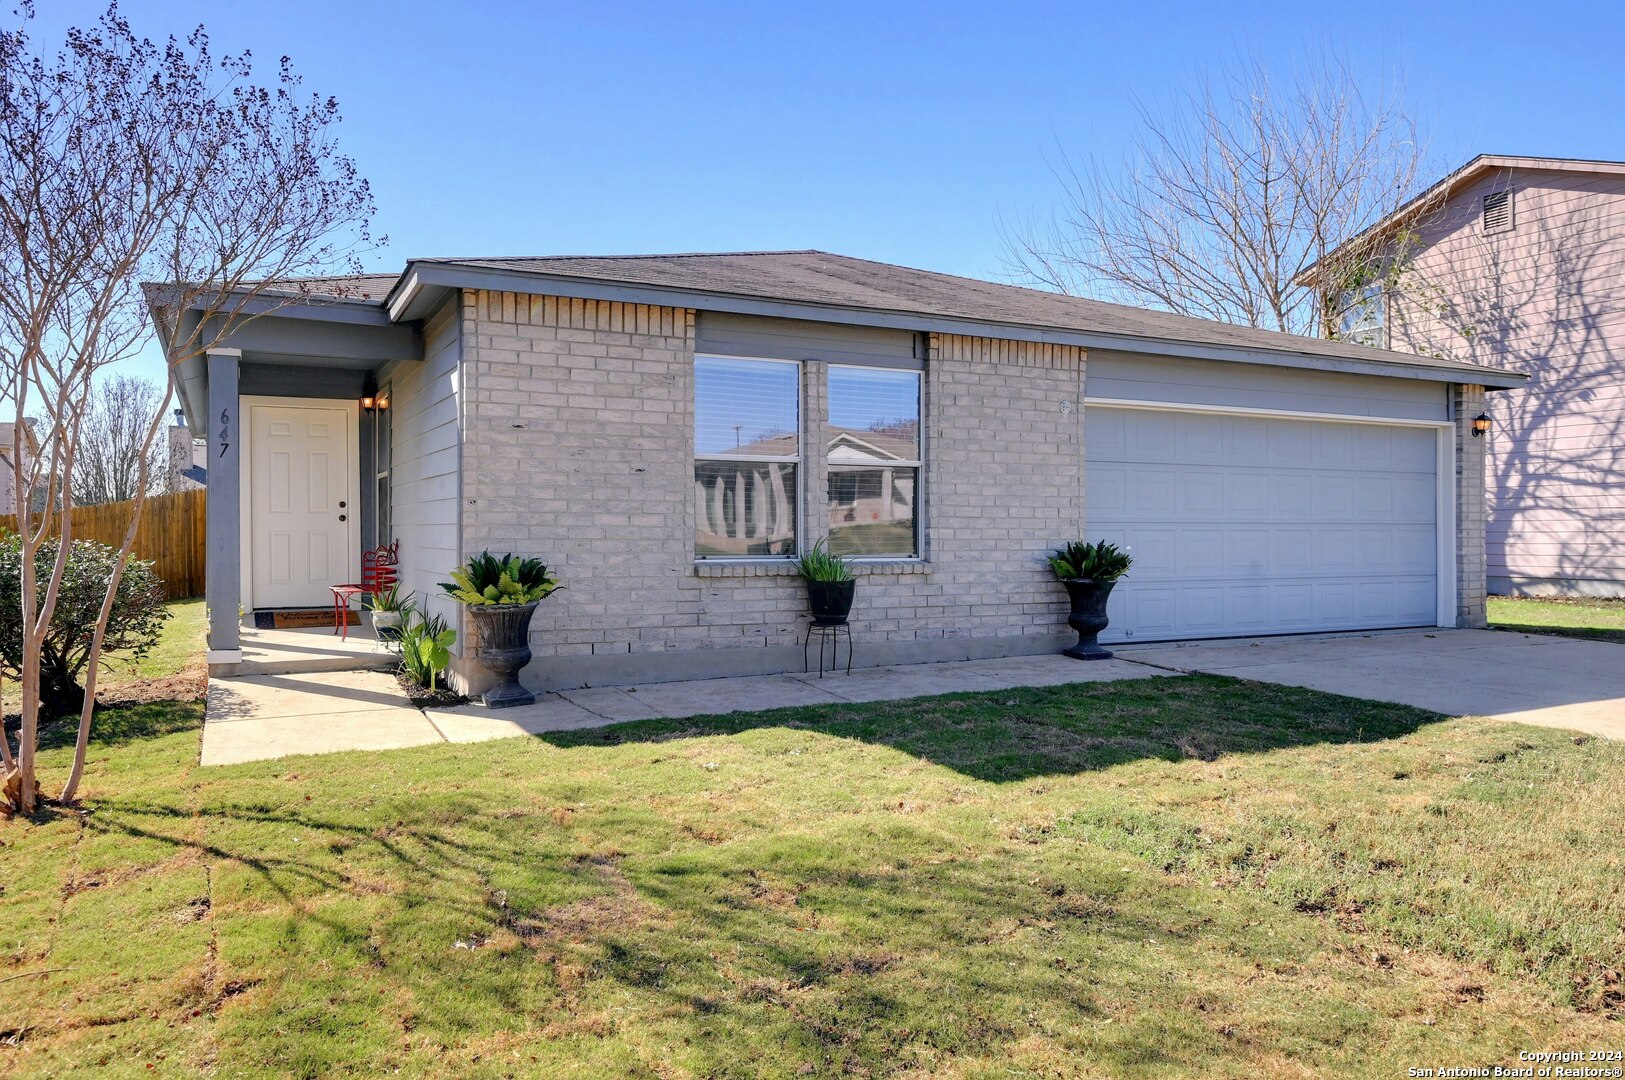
x=344, y=517
x=342, y=504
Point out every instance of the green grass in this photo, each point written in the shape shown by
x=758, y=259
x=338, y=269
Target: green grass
x=1589, y=617
x=173, y=669
x=179, y=648
x=1172, y=877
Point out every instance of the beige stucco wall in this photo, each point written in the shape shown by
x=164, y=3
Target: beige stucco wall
x=578, y=448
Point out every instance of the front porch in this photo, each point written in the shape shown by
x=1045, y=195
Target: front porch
x=298, y=476
x=307, y=650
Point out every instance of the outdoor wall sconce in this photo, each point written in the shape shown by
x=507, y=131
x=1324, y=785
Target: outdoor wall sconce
x=368, y=403
x=1481, y=424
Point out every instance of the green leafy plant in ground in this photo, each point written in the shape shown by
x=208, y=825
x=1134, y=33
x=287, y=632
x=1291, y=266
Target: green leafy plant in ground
x=818, y=564
x=1167, y=877
x=486, y=579
x=425, y=643
x=1091, y=562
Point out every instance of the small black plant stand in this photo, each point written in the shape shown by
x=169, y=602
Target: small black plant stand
x=828, y=633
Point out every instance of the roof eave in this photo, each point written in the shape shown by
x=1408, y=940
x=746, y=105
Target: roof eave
x=423, y=283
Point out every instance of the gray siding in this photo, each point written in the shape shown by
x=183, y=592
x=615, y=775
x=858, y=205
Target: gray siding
x=795, y=339
x=1201, y=382
x=425, y=414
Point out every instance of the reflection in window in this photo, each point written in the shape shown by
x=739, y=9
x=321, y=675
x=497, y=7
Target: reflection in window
x=1360, y=316
x=747, y=445
x=874, y=461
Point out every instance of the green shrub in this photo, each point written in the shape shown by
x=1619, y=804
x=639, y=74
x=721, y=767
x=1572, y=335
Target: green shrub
x=486, y=579
x=1093, y=562
x=819, y=565
x=426, y=643
x=138, y=614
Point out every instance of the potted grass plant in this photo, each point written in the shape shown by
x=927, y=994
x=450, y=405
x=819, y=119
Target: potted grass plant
x=501, y=595
x=1089, y=571
x=830, y=586
x=387, y=611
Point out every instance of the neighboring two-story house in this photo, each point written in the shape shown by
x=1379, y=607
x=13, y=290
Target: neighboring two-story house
x=1519, y=263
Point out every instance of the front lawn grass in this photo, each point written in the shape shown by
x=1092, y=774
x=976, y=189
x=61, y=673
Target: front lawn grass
x=1177, y=876
x=178, y=652
x=1600, y=619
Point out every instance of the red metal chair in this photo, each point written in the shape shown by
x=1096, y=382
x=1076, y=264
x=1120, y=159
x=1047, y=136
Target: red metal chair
x=380, y=571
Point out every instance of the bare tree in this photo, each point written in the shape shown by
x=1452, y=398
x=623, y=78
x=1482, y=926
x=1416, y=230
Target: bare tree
x=114, y=456
x=122, y=160
x=1224, y=202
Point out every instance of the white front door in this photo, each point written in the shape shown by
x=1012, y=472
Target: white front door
x=303, y=531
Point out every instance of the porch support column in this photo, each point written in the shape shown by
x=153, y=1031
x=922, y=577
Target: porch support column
x=223, y=585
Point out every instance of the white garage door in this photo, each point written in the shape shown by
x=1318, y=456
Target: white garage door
x=1246, y=525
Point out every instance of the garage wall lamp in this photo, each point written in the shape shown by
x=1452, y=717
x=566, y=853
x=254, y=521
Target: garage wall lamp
x=1481, y=424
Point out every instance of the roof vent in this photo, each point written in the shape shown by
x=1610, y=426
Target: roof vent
x=1498, y=211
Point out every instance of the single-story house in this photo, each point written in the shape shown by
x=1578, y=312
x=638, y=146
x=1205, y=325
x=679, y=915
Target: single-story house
x=669, y=431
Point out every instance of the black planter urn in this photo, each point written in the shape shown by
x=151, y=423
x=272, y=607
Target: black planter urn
x=830, y=601
x=504, y=648
x=1088, y=616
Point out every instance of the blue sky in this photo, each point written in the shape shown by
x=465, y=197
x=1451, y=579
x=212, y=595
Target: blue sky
x=897, y=131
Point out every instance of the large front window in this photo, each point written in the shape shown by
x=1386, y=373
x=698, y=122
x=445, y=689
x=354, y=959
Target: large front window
x=747, y=444
x=874, y=461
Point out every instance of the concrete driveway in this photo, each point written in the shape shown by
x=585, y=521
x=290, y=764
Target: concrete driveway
x=1529, y=678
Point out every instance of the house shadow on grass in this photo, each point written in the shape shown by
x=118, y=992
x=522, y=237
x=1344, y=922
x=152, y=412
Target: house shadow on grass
x=1022, y=733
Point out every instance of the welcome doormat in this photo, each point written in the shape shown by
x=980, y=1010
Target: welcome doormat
x=300, y=618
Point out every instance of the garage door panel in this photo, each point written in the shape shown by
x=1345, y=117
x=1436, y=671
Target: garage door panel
x=1107, y=486
x=1201, y=551
x=1249, y=525
x=1292, y=495
x=1153, y=491
x=1246, y=494
x=1246, y=552
x=1202, y=438
x=1155, y=439
x=1292, y=551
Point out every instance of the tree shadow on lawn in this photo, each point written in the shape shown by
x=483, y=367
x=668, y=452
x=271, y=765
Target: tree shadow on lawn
x=1023, y=733
x=839, y=938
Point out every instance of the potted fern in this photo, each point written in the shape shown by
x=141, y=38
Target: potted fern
x=830, y=587
x=501, y=595
x=1089, y=571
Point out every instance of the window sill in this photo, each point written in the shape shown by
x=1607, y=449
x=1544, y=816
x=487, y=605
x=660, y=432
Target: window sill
x=743, y=568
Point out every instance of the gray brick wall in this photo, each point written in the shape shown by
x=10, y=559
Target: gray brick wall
x=579, y=450
x=1467, y=401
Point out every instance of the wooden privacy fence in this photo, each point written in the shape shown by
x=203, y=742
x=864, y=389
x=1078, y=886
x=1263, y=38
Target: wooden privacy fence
x=170, y=535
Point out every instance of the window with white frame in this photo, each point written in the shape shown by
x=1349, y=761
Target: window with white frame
x=747, y=449
x=874, y=462
x=1361, y=316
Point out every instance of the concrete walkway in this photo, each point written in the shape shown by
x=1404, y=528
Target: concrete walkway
x=268, y=716
x=1533, y=679
x=1528, y=678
